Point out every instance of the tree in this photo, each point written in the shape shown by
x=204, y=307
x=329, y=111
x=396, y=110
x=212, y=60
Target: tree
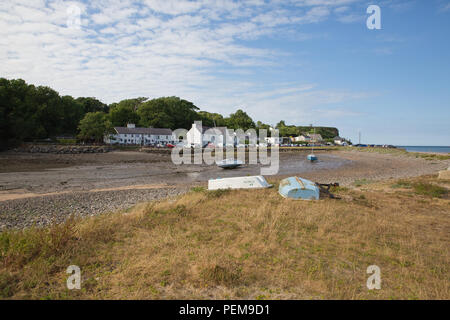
x=94, y=126
x=132, y=104
x=153, y=114
x=49, y=113
x=211, y=119
x=168, y=112
x=92, y=105
x=240, y=120
x=325, y=132
x=72, y=114
x=120, y=115
x=280, y=124
x=287, y=130
x=17, y=112
x=260, y=125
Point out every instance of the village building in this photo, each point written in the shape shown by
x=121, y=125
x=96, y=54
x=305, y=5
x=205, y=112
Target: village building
x=340, y=141
x=200, y=136
x=315, y=137
x=140, y=136
x=302, y=137
x=273, y=141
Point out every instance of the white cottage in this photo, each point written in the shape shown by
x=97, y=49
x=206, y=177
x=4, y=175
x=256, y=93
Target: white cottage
x=140, y=136
x=302, y=137
x=273, y=140
x=199, y=136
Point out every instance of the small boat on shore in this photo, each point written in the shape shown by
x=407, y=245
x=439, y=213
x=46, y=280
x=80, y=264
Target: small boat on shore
x=229, y=163
x=251, y=182
x=298, y=189
x=312, y=157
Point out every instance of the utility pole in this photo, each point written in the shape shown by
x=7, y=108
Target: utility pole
x=359, y=133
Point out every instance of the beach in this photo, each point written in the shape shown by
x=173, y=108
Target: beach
x=40, y=189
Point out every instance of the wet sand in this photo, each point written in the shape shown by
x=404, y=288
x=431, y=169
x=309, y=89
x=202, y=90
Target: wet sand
x=45, y=188
x=50, y=173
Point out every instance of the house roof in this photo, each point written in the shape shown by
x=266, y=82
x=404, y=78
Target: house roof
x=149, y=131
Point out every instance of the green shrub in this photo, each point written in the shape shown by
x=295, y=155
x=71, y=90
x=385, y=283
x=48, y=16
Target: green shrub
x=428, y=189
x=197, y=189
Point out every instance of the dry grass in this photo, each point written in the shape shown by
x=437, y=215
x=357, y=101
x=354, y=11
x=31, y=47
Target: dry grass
x=242, y=245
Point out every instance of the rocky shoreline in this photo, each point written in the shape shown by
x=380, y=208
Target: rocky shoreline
x=61, y=149
x=44, y=210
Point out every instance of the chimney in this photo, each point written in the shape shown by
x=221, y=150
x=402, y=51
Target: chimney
x=131, y=125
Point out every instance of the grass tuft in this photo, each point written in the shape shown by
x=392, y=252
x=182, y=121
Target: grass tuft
x=361, y=182
x=401, y=184
x=214, y=194
x=220, y=275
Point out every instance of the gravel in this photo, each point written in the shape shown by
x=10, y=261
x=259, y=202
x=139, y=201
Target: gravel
x=44, y=210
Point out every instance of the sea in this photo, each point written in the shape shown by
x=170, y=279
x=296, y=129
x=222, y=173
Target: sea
x=437, y=149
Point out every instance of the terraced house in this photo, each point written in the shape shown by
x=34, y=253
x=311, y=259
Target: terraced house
x=140, y=136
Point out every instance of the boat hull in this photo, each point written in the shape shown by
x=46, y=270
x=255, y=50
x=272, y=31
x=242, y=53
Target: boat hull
x=251, y=182
x=298, y=189
x=311, y=157
x=229, y=164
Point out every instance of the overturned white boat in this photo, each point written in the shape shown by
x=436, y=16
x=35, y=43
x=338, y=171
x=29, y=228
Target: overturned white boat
x=251, y=182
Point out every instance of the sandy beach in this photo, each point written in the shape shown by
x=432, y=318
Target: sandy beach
x=38, y=189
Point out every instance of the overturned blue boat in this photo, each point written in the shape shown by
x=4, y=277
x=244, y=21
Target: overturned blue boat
x=299, y=189
x=311, y=157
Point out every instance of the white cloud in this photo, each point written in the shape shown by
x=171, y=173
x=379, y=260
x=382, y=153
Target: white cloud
x=157, y=48
x=445, y=7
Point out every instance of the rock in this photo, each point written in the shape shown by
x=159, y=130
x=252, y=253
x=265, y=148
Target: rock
x=58, y=149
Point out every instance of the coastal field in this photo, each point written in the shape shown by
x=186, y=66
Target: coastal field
x=245, y=245
x=150, y=239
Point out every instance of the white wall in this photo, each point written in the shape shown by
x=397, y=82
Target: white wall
x=137, y=139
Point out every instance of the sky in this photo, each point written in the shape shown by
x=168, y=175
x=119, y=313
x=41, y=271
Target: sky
x=301, y=61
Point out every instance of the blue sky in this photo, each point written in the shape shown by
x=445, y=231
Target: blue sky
x=302, y=61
